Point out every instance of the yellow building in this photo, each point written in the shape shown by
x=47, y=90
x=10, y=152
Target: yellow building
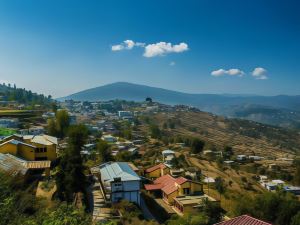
x=171, y=187
x=30, y=147
x=157, y=171
x=187, y=204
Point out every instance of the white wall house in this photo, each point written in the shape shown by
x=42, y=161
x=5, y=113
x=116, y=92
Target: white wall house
x=120, y=182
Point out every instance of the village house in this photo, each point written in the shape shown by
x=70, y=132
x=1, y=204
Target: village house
x=157, y=171
x=169, y=188
x=30, y=147
x=185, y=204
x=119, y=181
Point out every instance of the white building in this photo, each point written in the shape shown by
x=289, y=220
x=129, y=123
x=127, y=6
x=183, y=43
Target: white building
x=241, y=157
x=125, y=114
x=109, y=138
x=120, y=182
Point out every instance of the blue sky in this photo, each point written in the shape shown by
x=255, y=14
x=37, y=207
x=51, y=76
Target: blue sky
x=59, y=47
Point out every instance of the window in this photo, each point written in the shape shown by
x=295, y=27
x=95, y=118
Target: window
x=186, y=191
x=39, y=150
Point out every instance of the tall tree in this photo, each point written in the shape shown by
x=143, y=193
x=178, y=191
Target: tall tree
x=70, y=178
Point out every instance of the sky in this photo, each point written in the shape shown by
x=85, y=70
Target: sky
x=197, y=46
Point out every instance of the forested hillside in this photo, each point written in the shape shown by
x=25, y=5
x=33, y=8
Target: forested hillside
x=10, y=92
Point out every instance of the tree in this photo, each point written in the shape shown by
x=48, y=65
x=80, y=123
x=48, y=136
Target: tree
x=228, y=152
x=297, y=172
x=103, y=148
x=51, y=127
x=296, y=219
x=70, y=178
x=124, y=156
x=59, y=126
x=62, y=122
x=277, y=208
x=155, y=132
x=197, y=146
x=220, y=186
x=149, y=100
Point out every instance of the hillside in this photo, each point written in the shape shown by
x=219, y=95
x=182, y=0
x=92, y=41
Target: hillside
x=244, y=136
x=22, y=96
x=226, y=105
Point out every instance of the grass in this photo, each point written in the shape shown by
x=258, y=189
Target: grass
x=6, y=131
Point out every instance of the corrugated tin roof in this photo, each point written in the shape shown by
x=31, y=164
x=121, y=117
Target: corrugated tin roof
x=12, y=164
x=110, y=171
x=243, y=220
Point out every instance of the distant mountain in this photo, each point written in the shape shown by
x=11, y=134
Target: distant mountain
x=215, y=103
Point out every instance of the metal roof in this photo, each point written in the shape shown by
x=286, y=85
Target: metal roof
x=12, y=164
x=111, y=170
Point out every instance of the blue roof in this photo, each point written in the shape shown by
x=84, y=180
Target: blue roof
x=111, y=170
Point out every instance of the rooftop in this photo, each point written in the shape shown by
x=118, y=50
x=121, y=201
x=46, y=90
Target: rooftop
x=111, y=170
x=243, y=220
x=153, y=168
x=193, y=199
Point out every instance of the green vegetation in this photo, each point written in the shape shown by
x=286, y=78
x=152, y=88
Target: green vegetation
x=209, y=214
x=70, y=178
x=6, y=131
x=103, y=149
x=59, y=126
x=19, y=206
x=20, y=95
x=279, y=208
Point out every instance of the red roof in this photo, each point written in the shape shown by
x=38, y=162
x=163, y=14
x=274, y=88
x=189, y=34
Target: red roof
x=166, y=183
x=152, y=187
x=156, y=167
x=243, y=220
x=181, y=180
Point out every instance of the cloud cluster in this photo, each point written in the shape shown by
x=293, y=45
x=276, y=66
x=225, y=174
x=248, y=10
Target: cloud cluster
x=163, y=48
x=127, y=45
x=230, y=72
x=152, y=50
x=258, y=73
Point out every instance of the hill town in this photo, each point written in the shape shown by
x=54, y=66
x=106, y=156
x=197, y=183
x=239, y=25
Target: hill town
x=126, y=162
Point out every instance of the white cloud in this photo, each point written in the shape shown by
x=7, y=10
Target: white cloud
x=260, y=73
x=152, y=50
x=163, y=48
x=117, y=47
x=230, y=72
x=218, y=73
x=129, y=44
x=235, y=72
x=172, y=63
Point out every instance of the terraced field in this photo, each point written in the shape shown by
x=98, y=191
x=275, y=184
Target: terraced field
x=244, y=136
